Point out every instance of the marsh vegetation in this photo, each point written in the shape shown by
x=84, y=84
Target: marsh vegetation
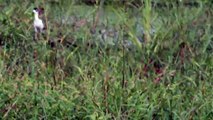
x=106, y=61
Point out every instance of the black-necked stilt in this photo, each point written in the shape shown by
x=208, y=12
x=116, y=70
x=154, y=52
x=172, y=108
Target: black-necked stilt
x=38, y=23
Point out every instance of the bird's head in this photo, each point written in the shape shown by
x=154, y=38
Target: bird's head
x=38, y=11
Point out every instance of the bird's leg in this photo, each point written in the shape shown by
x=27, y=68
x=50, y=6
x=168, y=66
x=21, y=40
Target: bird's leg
x=39, y=36
x=35, y=36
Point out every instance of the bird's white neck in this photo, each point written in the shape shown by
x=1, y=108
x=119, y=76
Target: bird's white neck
x=36, y=16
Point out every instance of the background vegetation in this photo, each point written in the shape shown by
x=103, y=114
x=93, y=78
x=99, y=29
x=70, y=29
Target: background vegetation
x=106, y=62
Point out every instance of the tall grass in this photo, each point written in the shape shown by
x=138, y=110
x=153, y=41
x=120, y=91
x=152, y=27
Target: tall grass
x=73, y=74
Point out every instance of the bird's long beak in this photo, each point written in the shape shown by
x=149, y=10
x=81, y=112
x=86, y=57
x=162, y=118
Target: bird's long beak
x=34, y=11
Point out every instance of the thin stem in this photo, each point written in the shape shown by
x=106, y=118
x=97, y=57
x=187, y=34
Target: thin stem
x=46, y=21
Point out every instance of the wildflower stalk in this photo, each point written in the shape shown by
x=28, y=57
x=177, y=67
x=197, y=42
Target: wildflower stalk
x=147, y=22
x=97, y=16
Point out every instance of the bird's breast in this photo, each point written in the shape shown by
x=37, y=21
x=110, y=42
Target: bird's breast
x=38, y=24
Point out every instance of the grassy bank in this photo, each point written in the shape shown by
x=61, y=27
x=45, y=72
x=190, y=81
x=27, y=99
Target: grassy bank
x=116, y=72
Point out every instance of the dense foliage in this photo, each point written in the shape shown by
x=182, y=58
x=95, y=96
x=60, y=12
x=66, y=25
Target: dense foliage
x=112, y=62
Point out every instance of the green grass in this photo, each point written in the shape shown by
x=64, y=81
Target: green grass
x=95, y=80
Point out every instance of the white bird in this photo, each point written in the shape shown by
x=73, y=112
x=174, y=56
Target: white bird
x=38, y=23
